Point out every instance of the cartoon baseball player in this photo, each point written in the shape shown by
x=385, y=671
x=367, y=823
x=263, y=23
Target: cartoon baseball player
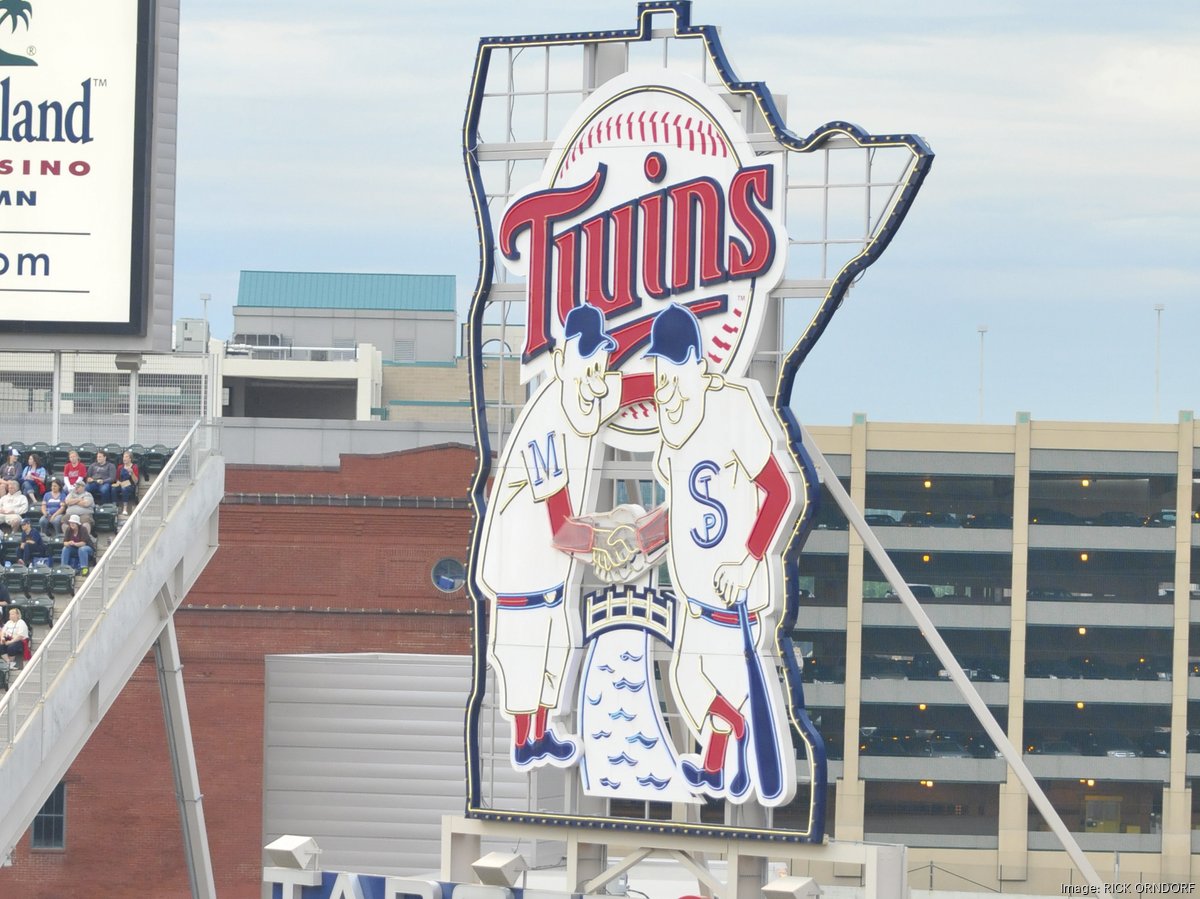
x=732, y=497
x=532, y=535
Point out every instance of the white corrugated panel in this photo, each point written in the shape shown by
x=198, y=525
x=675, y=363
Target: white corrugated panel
x=364, y=753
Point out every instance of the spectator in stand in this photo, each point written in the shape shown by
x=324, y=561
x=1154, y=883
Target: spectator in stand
x=73, y=471
x=79, y=502
x=52, y=509
x=33, y=479
x=12, y=638
x=13, y=505
x=100, y=477
x=31, y=546
x=11, y=469
x=126, y=485
x=77, y=545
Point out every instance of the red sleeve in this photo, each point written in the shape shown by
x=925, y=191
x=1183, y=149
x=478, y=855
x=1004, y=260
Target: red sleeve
x=777, y=495
x=653, y=530
x=569, y=535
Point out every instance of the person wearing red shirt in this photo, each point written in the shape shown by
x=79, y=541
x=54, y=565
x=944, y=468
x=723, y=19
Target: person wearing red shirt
x=74, y=471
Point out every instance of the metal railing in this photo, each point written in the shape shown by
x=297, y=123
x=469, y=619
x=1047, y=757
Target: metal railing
x=103, y=585
x=292, y=353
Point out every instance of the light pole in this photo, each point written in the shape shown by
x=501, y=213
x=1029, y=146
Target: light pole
x=1158, y=311
x=982, y=330
x=209, y=380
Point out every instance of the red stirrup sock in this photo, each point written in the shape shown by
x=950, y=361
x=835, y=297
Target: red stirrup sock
x=521, y=728
x=714, y=756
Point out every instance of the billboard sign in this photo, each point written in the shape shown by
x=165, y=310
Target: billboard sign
x=636, y=630
x=74, y=114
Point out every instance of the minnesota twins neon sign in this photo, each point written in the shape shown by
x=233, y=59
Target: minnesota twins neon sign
x=650, y=247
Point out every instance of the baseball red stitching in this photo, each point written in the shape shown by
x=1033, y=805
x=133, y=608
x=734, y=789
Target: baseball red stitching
x=662, y=128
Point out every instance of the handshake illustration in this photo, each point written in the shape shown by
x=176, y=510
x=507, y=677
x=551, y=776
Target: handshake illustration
x=625, y=542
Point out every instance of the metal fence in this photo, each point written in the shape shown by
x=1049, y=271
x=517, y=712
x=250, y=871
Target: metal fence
x=102, y=398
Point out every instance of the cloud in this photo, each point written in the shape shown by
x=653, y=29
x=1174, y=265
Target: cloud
x=1064, y=189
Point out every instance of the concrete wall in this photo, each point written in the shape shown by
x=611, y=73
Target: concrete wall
x=291, y=442
x=432, y=334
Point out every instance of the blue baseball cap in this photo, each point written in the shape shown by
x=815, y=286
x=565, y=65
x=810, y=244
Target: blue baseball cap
x=675, y=335
x=587, y=323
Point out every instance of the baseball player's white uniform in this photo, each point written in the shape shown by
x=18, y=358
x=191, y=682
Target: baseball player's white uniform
x=543, y=480
x=522, y=572
x=714, y=505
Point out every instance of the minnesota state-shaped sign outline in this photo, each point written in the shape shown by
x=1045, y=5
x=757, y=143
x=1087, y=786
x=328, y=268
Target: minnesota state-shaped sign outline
x=877, y=242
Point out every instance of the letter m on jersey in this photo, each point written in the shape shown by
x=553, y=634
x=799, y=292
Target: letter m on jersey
x=546, y=465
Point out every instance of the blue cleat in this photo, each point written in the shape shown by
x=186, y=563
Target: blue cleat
x=699, y=779
x=552, y=746
x=524, y=755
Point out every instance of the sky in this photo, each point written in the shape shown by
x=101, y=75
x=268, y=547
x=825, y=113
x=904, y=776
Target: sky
x=1063, y=203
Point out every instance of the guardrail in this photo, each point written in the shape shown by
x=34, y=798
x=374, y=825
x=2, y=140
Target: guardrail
x=96, y=595
x=292, y=353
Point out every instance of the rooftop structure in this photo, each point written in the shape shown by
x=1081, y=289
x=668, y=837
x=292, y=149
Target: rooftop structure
x=408, y=318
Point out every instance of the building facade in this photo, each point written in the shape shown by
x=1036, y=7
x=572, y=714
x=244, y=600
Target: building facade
x=408, y=318
x=1059, y=561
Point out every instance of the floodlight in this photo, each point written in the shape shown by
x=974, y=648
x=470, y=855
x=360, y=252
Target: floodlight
x=500, y=869
x=792, y=888
x=128, y=361
x=293, y=852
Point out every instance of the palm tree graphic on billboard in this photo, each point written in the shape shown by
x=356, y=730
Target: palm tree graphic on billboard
x=12, y=12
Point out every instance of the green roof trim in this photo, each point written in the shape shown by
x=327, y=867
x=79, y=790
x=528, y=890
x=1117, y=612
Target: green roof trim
x=346, y=290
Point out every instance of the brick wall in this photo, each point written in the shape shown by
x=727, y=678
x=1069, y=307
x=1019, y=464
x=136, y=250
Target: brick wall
x=266, y=592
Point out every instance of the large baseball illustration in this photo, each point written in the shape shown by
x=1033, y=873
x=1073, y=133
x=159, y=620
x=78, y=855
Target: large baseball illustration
x=651, y=196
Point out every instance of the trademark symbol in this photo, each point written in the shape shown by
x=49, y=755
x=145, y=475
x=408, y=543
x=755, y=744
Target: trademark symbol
x=31, y=50
x=100, y=82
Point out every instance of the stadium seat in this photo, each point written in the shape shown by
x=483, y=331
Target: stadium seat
x=113, y=451
x=62, y=580
x=156, y=458
x=20, y=446
x=43, y=450
x=14, y=580
x=9, y=547
x=106, y=518
x=54, y=547
x=38, y=609
x=87, y=452
x=59, y=457
x=37, y=580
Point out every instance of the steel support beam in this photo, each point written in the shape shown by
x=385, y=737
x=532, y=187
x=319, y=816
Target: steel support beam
x=183, y=763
